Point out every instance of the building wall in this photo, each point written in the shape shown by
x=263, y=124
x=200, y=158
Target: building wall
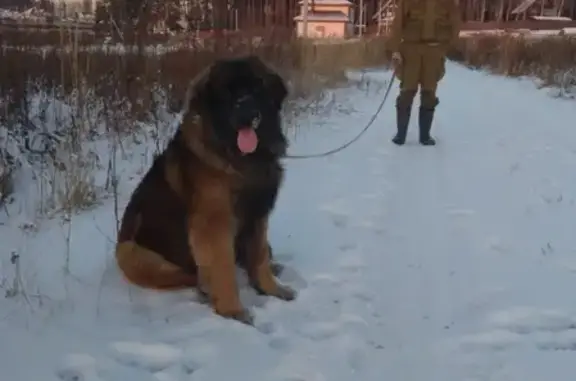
x=323, y=29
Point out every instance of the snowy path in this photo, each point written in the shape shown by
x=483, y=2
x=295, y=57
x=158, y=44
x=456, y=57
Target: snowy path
x=446, y=263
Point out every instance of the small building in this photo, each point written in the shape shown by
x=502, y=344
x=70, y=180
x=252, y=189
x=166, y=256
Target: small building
x=326, y=19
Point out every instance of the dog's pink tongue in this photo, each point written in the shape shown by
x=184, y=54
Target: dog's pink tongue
x=247, y=140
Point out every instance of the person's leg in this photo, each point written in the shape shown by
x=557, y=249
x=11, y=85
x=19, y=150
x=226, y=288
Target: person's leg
x=408, y=73
x=432, y=72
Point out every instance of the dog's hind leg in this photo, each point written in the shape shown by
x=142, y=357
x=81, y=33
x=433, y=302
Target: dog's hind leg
x=146, y=268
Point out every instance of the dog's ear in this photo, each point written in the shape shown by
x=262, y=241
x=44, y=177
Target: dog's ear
x=277, y=87
x=197, y=89
x=272, y=80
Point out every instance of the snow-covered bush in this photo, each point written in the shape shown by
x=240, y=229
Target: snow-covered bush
x=69, y=110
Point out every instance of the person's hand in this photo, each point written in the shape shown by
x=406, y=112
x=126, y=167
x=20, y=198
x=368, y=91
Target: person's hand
x=396, y=58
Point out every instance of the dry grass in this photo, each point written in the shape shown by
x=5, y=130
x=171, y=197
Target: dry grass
x=69, y=109
x=551, y=59
x=61, y=102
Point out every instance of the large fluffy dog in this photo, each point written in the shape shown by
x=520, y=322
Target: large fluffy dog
x=204, y=204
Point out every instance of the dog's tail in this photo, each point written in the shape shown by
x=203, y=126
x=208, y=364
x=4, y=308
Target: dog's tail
x=146, y=268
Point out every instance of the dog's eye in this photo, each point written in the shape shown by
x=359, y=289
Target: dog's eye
x=273, y=103
x=256, y=121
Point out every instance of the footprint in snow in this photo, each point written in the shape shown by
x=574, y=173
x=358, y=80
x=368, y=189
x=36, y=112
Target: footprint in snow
x=201, y=354
x=347, y=247
x=340, y=221
x=326, y=280
x=78, y=367
x=150, y=357
x=547, y=330
x=280, y=343
x=563, y=345
x=352, y=263
x=361, y=294
x=319, y=331
x=155, y=362
x=353, y=350
x=528, y=320
x=493, y=341
x=325, y=330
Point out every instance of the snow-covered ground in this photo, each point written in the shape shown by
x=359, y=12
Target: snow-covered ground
x=447, y=263
x=523, y=32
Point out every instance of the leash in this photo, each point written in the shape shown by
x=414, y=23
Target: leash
x=362, y=132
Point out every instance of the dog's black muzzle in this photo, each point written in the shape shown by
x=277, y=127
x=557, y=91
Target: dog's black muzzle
x=246, y=113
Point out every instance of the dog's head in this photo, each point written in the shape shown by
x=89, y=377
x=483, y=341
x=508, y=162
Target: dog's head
x=240, y=100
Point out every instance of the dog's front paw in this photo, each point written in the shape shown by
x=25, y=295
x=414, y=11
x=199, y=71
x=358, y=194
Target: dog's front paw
x=285, y=293
x=203, y=297
x=279, y=291
x=243, y=315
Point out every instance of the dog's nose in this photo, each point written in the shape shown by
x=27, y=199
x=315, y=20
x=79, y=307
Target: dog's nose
x=246, y=111
x=246, y=118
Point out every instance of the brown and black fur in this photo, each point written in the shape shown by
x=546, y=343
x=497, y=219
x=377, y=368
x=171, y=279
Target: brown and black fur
x=203, y=206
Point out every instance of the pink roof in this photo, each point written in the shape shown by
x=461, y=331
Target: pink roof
x=327, y=2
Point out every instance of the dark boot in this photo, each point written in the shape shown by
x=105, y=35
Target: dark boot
x=428, y=103
x=425, y=118
x=403, y=112
x=402, y=121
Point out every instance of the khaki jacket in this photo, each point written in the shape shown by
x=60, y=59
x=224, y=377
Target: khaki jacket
x=425, y=21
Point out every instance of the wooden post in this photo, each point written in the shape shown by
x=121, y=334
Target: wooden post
x=305, y=19
x=361, y=17
x=379, y=17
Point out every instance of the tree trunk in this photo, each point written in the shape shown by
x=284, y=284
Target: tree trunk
x=500, y=14
x=220, y=15
x=508, y=10
x=560, y=8
x=471, y=10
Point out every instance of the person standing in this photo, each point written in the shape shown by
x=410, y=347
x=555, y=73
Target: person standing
x=422, y=32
